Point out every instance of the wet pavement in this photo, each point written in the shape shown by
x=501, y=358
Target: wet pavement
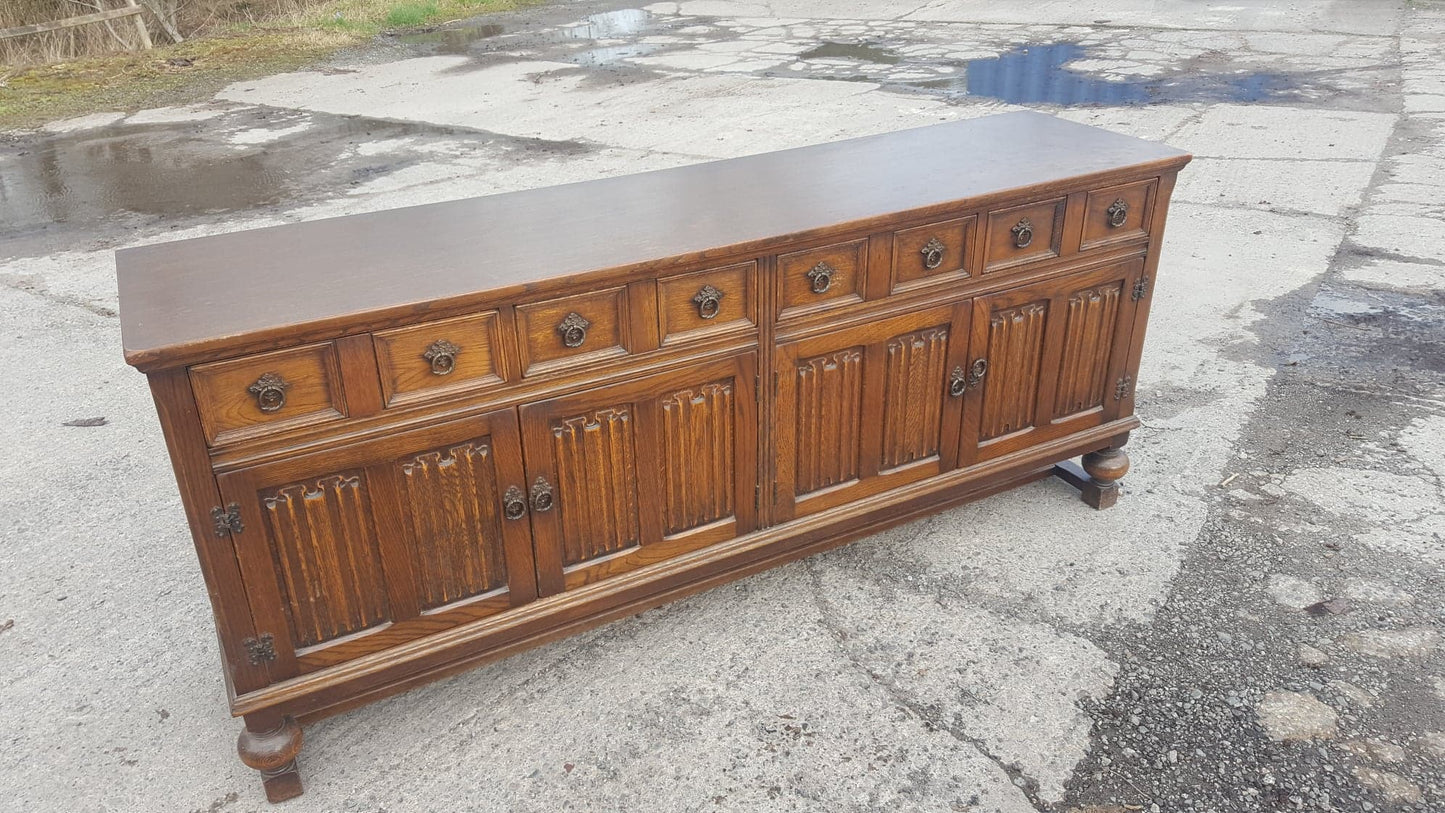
x=1255, y=627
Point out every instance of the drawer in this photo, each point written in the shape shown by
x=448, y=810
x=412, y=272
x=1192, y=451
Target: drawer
x=821, y=278
x=439, y=358
x=933, y=254
x=1118, y=214
x=1022, y=234
x=573, y=330
x=271, y=392
x=703, y=303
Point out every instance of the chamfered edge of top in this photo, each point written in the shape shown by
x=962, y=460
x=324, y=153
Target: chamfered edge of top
x=261, y=280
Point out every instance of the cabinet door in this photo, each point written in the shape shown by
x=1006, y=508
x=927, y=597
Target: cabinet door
x=1056, y=352
x=353, y=550
x=867, y=408
x=631, y=474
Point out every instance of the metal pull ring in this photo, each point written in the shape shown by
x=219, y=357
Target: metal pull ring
x=514, y=505
x=821, y=277
x=1118, y=213
x=1023, y=233
x=442, y=355
x=976, y=372
x=957, y=383
x=270, y=391
x=541, y=495
x=932, y=252
x=573, y=329
x=708, y=301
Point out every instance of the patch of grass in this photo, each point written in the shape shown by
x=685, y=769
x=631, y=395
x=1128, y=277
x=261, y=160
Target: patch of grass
x=198, y=68
x=410, y=15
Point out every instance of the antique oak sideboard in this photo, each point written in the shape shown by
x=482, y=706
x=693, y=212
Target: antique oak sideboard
x=412, y=441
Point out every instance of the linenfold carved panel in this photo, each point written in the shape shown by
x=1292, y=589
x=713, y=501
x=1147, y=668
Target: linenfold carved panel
x=913, y=396
x=698, y=439
x=324, y=541
x=1088, y=347
x=1015, y=352
x=596, y=483
x=830, y=392
x=450, y=497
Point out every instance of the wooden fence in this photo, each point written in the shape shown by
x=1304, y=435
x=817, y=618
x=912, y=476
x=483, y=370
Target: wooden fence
x=130, y=10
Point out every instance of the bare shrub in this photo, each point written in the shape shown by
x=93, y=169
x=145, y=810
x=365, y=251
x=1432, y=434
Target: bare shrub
x=188, y=17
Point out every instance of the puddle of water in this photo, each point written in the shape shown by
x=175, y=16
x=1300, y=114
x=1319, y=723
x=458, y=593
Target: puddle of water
x=184, y=169
x=608, y=25
x=1036, y=74
x=452, y=40
x=861, y=52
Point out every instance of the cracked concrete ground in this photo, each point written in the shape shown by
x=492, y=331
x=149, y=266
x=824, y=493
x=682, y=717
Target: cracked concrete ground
x=1256, y=625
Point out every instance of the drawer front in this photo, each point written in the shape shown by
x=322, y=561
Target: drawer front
x=1118, y=214
x=933, y=254
x=272, y=392
x=821, y=278
x=438, y=358
x=703, y=303
x=573, y=330
x=1022, y=234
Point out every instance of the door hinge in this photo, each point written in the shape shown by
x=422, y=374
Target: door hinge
x=1123, y=387
x=227, y=520
x=1141, y=287
x=260, y=650
x=757, y=498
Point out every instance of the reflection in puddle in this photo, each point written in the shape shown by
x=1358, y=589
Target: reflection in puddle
x=1036, y=74
x=608, y=25
x=232, y=163
x=452, y=40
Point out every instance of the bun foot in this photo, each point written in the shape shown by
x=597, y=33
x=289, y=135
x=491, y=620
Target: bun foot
x=1098, y=480
x=1105, y=468
x=273, y=752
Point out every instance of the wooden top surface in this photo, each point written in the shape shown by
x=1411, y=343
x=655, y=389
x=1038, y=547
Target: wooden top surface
x=184, y=297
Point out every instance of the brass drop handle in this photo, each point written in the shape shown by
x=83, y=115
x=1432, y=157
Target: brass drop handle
x=541, y=495
x=961, y=382
x=821, y=277
x=1023, y=232
x=932, y=252
x=573, y=328
x=270, y=391
x=442, y=355
x=1118, y=213
x=514, y=505
x=708, y=301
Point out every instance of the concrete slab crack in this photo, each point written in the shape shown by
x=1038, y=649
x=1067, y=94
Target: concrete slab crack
x=1027, y=785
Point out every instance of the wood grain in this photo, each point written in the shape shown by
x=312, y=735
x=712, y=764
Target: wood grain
x=407, y=375
x=462, y=254
x=607, y=332
x=453, y=500
x=1046, y=219
x=230, y=411
x=527, y=485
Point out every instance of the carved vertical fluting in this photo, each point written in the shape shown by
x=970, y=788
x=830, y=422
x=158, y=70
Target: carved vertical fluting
x=830, y=390
x=1015, y=353
x=913, y=396
x=698, y=448
x=451, y=500
x=596, y=483
x=328, y=558
x=1088, y=345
